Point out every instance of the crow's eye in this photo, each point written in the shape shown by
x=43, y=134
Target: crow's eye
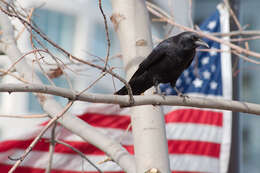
x=194, y=38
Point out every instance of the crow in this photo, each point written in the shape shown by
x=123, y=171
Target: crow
x=165, y=63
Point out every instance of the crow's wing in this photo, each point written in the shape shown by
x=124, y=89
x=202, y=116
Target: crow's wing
x=156, y=55
x=190, y=61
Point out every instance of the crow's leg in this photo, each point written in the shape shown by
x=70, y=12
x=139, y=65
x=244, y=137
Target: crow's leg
x=156, y=85
x=179, y=93
x=157, y=88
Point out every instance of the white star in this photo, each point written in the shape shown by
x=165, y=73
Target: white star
x=178, y=83
x=206, y=74
x=205, y=60
x=213, y=85
x=212, y=52
x=185, y=73
x=212, y=24
x=213, y=68
x=197, y=83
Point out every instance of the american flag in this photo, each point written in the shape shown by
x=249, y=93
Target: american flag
x=198, y=139
x=201, y=137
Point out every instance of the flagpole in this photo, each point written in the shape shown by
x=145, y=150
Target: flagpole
x=236, y=144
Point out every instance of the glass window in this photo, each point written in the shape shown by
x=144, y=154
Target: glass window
x=59, y=27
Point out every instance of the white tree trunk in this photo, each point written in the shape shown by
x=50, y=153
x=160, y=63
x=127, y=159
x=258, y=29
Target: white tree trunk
x=133, y=29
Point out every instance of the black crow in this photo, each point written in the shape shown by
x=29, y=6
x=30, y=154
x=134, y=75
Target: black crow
x=165, y=63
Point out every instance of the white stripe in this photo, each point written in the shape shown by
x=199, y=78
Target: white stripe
x=107, y=109
x=20, y=134
x=72, y=162
x=196, y=132
x=227, y=89
x=194, y=163
x=121, y=136
x=184, y=131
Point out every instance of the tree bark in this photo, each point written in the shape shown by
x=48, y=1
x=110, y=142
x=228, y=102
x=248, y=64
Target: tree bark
x=148, y=124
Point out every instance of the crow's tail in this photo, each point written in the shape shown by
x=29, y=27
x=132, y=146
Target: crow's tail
x=138, y=85
x=122, y=91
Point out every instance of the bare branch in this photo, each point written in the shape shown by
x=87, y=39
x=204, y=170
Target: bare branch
x=51, y=148
x=27, y=24
x=233, y=33
x=231, y=12
x=107, y=34
x=209, y=36
x=200, y=102
x=34, y=142
x=80, y=153
x=50, y=106
x=26, y=116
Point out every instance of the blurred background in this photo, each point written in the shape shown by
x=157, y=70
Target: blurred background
x=78, y=27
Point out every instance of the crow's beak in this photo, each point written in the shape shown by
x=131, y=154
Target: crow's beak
x=200, y=42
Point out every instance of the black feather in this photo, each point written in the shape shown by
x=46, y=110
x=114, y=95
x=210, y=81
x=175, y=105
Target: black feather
x=165, y=63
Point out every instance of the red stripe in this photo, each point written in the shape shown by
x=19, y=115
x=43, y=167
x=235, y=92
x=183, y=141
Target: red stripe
x=104, y=121
x=195, y=116
x=43, y=145
x=175, y=147
x=23, y=169
x=177, y=116
x=209, y=149
x=26, y=169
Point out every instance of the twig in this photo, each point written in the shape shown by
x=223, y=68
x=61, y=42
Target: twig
x=231, y=12
x=108, y=159
x=33, y=143
x=211, y=37
x=93, y=83
x=107, y=34
x=19, y=59
x=28, y=18
x=233, y=33
x=80, y=153
x=245, y=39
x=125, y=132
x=51, y=149
x=246, y=58
x=36, y=57
x=131, y=100
x=153, y=6
x=16, y=77
x=26, y=116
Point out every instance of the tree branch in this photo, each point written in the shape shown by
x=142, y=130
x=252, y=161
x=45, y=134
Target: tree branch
x=200, y=102
x=51, y=107
x=34, y=142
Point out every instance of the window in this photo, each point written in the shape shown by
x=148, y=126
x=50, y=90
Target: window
x=60, y=28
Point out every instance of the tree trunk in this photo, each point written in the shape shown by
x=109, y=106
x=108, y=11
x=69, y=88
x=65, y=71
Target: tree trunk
x=133, y=28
